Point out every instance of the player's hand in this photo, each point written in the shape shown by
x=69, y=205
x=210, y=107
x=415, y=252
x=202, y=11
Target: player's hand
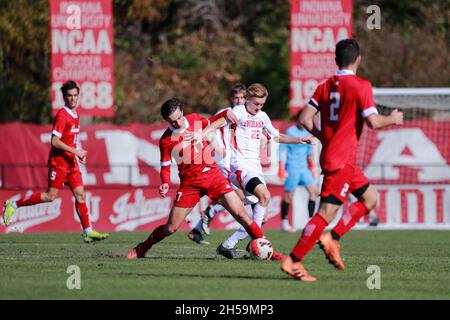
x=231, y=116
x=163, y=189
x=307, y=140
x=194, y=136
x=315, y=173
x=82, y=160
x=81, y=154
x=397, y=116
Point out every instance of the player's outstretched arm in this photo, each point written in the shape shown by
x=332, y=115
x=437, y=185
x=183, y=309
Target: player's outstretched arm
x=378, y=121
x=282, y=138
x=58, y=144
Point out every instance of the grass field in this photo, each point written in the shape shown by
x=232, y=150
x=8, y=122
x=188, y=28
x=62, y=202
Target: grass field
x=413, y=264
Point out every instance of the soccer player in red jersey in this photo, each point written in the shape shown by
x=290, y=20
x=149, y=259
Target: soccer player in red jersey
x=344, y=101
x=63, y=165
x=186, y=142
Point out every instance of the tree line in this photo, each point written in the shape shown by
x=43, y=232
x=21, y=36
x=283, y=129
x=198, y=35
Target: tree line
x=195, y=49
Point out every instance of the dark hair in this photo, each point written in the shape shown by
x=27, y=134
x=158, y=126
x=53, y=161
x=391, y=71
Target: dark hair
x=346, y=52
x=68, y=85
x=238, y=87
x=170, y=106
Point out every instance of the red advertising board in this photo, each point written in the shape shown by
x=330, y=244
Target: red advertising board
x=316, y=27
x=83, y=50
x=118, y=209
x=408, y=165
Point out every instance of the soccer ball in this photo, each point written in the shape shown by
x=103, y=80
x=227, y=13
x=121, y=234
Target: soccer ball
x=260, y=249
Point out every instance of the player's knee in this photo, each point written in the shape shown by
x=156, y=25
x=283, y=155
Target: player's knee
x=370, y=203
x=313, y=194
x=49, y=196
x=288, y=197
x=80, y=197
x=370, y=199
x=264, y=199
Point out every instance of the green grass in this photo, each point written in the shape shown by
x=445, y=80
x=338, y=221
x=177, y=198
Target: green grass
x=414, y=265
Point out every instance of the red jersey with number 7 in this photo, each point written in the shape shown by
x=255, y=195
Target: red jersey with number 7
x=343, y=101
x=66, y=127
x=192, y=158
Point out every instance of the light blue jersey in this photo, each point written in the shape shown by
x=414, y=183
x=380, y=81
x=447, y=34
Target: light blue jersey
x=295, y=158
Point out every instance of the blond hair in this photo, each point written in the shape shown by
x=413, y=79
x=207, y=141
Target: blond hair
x=256, y=90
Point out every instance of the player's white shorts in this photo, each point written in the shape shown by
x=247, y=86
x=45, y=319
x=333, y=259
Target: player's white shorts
x=241, y=176
x=224, y=167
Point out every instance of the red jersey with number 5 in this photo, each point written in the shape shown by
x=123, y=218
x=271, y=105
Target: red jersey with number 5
x=66, y=127
x=343, y=101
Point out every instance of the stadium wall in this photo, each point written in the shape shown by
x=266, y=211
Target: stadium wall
x=408, y=165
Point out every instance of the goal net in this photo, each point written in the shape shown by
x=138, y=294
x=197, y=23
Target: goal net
x=410, y=164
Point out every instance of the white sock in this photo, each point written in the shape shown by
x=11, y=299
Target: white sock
x=215, y=208
x=241, y=234
x=258, y=213
x=87, y=230
x=285, y=223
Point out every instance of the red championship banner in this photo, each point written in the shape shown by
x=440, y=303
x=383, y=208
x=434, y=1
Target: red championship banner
x=316, y=27
x=83, y=51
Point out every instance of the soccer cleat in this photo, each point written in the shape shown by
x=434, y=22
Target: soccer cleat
x=196, y=236
x=8, y=212
x=206, y=221
x=374, y=221
x=332, y=249
x=288, y=228
x=227, y=253
x=296, y=270
x=94, y=236
x=277, y=256
x=136, y=252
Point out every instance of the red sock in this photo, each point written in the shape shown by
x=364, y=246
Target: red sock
x=83, y=214
x=310, y=235
x=157, y=235
x=35, y=198
x=356, y=211
x=254, y=230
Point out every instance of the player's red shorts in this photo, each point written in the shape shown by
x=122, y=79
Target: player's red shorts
x=342, y=182
x=211, y=183
x=57, y=176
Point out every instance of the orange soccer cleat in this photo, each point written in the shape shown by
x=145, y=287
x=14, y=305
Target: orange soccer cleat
x=296, y=270
x=332, y=249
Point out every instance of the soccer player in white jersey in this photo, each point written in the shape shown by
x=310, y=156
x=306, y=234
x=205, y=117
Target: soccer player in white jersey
x=246, y=169
x=223, y=158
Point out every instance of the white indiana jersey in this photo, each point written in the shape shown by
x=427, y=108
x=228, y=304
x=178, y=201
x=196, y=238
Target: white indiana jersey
x=246, y=138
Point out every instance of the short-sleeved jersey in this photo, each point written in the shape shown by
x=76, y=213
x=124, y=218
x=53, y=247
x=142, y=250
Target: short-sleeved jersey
x=66, y=127
x=343, y=101
x=246, y=137
x=192, y=158
x=295, y=156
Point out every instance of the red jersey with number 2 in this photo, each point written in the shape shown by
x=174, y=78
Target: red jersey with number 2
x=343, y=101
x=66, y=127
